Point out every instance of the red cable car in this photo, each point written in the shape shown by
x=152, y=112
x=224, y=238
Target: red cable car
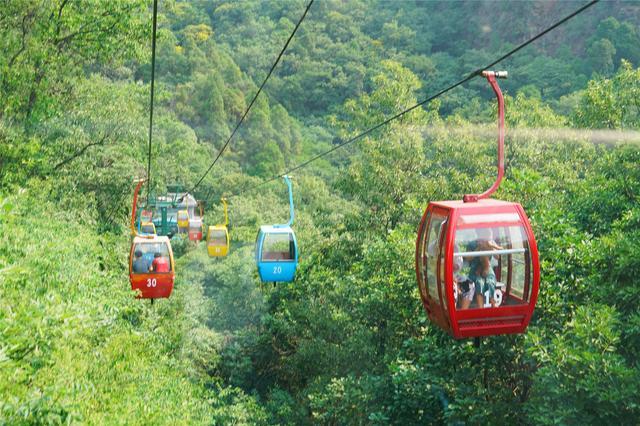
x=151, y=267
x=477, y=260
x=195, y=229
x=151, y=263
x=195, y=226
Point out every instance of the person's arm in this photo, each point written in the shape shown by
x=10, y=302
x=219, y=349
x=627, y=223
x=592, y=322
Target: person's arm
x=491, y=278
x=493, y=245
x=485, y=266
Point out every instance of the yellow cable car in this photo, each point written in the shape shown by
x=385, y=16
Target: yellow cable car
x=148, y=228
x=183, y=220
x=218, y=236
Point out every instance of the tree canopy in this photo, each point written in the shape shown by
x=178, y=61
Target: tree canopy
x=348, y=342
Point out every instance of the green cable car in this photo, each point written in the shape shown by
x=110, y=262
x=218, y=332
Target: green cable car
x=162, y=210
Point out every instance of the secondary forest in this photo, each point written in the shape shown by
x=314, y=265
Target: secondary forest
x=348, y=342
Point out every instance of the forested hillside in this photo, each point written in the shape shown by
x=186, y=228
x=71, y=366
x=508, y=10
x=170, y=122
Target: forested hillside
x=348, y=342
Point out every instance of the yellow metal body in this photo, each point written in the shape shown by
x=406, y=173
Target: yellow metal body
x=218, y=241
x=218, y=236
x=148, y=228
x=183, y=220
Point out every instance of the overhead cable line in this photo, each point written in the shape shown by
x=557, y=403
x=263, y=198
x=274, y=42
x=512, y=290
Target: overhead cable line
x=419, y=104
x=118, y=206
x=111, y=215
x=153, y=78
x=226, y=144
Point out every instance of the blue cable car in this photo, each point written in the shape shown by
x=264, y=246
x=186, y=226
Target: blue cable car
x=277, y=248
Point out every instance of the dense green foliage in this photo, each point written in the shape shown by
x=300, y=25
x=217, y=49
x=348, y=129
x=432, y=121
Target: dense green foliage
x=348, y=342
x=76, y=347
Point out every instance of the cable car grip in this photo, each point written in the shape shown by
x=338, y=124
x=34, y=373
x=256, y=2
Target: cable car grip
x=491, y=78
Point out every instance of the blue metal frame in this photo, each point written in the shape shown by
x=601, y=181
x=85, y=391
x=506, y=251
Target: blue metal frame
x=291, y=212
x=278, y=270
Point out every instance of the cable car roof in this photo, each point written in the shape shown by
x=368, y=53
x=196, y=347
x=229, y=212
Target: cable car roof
x=276, y=229
x=459, y=204
x=154, y=239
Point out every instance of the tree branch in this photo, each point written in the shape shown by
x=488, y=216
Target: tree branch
x=84, y=149
x=23, y=45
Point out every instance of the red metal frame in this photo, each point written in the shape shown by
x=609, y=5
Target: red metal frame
x=491, y=78
x=134, y=207
x=476, y=322
x=151, y=285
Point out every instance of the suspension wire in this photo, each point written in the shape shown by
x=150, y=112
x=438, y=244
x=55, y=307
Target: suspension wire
x=362, y=134
x=112, y=215
x=153, y=79
x=224, y=147
x=419, y=104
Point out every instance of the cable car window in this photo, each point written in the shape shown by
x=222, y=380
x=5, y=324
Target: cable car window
x=488, y=218
x=491, y=267
x=421, y=261
x=521, y=265
x=151, y=258
x=278, y=247
x=218, y=238
x=430, y=252
x=441, y=271
x=195, y=226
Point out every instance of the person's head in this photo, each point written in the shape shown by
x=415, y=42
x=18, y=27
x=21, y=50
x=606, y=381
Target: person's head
x=484, y=234
x=138, y=253
x=156, y=255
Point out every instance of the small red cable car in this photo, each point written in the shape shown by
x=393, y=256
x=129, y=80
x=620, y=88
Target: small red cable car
x=195, y=226
x=151, y=267
x=151, y=263
x=477, y=260
x=195, y=229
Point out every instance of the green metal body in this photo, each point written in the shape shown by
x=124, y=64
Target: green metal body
x=165, y=209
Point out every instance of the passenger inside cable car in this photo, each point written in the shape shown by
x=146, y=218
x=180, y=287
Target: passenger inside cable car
x=151, y=257
x=160, y=263
x=491, y=267
x=140, y=264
